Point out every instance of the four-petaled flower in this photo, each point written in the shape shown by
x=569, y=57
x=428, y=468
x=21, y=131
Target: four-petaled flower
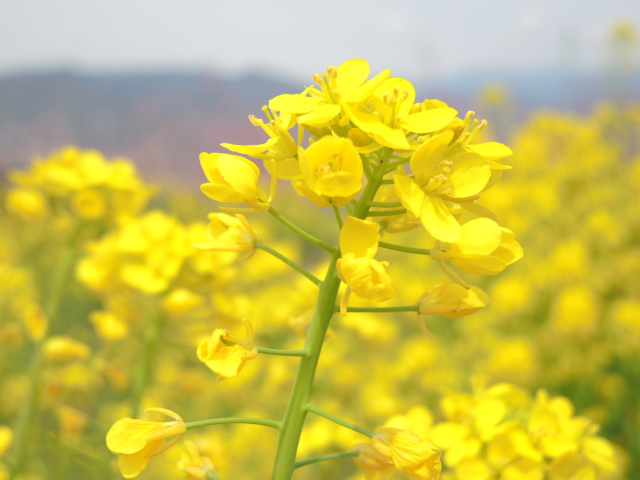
x=395, y=450
x=136, y=442
x=226, y=355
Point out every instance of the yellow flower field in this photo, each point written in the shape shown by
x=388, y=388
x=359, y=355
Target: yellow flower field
x=380, y=290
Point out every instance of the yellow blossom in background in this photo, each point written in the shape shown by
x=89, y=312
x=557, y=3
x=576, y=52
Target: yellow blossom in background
x=181, y=300
x=194, y=465
x=64, y=349
x=225, y=355
x=136, y=442
x=109, y=325
x=6, y=437
x=25, y=203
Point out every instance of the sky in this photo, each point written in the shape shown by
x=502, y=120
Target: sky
x=417, y=39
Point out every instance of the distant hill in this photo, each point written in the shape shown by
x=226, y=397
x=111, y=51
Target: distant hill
x=164, y=120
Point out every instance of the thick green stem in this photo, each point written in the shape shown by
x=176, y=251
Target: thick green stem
x=145, y=368
x=307, y=236
x=289, y=262
x=223, y=421
x=324, y=458
x=36, y=364
x=339, y=421
x=296, y=412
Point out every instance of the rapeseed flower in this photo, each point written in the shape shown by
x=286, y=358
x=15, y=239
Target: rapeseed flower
x=452, y=300
x=136, y=442
x=332, y=168
x=194, y=465
x=395, y=450
x=226, y=355
x=484, y=248
x=232, y=179
x=229, y=234
x=364, y=275
x=439, y=180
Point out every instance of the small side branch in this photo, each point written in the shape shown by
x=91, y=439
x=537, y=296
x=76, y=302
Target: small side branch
x=222, y=421
x=337, y=420
x=324, y=458
x=289, y=262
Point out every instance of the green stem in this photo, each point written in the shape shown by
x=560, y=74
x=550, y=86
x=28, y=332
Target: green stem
x=403, y=308
x=385, y=204
x=387, y=213
x=339, y=421
x=295, y=414
x=402, y=248
x=224, y=421
x=292, y=226
x=289, y=262
x=212, y=476
x=324, y=458
x=143, y=373
x=283, y=353
x=296, y=411
x=336, y=212
x=52, y=309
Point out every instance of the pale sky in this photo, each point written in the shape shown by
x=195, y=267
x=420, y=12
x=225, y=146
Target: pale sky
x=417, y=39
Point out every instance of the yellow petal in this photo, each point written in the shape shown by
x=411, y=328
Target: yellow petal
x=491, y=150
x=428, y=121
x=298, y=103
x=128, y=436
x=409, y=193
x=438, y=220
x=359, y=237
x=469, y=175
x=479, y=236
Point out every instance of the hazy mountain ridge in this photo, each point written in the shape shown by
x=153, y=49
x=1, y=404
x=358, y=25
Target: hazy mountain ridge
x=164, y=120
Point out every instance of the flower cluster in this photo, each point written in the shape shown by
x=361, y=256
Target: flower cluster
x=355, y=134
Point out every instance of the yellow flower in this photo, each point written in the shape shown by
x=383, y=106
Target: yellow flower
x=394, y=450
x=279, y=151
x=322, y=108
x=90, y=204
x=109, y=325
x=229, y=234
x=226, y=355
x=64, y=349
x=195, y=466
x=364, y=275
x=232, y=179
x=333, y=168
x=452, y=300
x=181, y=300
x=440, y=180
x=136, y=442
x=390, y=111
x=6, y=439
x=484, y=248
x=26, y=203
